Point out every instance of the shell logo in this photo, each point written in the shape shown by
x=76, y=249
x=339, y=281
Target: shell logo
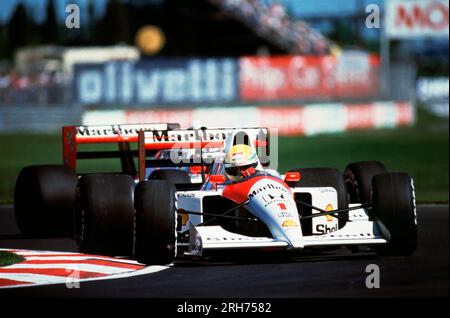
x=329, y=208
x=289, y=223
x=184, y=218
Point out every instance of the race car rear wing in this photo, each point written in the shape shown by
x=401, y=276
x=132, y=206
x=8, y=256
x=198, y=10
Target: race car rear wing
x=151, y=138
x=123, y=135
x=203, y=138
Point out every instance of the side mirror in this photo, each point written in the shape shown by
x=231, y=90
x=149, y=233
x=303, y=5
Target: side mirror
x=292, y=176
x=217, y=179
x=196, y=169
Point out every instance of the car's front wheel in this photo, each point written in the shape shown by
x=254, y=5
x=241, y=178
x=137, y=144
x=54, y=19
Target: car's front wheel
x=156, y=222
x=394, y=210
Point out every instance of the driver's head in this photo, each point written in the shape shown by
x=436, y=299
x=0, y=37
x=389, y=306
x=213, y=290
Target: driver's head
x=238, y=159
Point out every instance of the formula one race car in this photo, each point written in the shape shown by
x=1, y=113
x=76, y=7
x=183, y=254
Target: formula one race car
x=156, y=212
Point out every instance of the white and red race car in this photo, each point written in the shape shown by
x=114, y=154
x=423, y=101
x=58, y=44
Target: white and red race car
x=157, y=216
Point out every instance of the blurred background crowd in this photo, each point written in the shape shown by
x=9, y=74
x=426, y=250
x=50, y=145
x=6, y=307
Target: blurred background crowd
x=34, y=42
x=272, y=20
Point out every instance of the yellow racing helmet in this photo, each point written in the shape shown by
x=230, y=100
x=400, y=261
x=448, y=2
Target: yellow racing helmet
x=239, y=158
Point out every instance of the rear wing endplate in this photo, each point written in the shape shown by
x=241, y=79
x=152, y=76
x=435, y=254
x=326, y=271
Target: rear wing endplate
x=121, y=134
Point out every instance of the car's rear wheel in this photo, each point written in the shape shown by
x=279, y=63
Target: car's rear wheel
x=156, y=222
x=358, y=178
x=326, y=177
x=105, y=214
x=44, y=200
x=394, y=211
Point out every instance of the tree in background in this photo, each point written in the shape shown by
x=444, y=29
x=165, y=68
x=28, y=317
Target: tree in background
x=3, y=43
x=18, y=30
x=49, y=33
x=90, y=30
x=343, y=32
x=114, y=27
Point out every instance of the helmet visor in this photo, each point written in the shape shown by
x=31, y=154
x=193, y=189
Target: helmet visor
x=236, y=171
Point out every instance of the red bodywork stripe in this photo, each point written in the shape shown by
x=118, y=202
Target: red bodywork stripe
x=106, y=139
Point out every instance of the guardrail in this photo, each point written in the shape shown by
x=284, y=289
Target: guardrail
x=38, y=119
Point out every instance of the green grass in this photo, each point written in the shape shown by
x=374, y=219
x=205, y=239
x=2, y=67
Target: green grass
x=7, y=258
x=421, y=150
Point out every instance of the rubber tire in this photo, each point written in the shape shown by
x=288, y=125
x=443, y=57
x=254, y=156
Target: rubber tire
x=174, y=176
x=325, y=177
x=358, y=178
x=156, y=222
x=105, y=214
x=44, y=200
x=395, y=212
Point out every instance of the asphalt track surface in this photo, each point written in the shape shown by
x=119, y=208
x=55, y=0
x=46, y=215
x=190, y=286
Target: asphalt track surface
x=337, y=273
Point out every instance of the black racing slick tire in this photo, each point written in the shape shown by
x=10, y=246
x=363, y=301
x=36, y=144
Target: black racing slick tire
x=326, y=177
x=174, y=176
x=358, y=178
x=394, y=211
x=44, y=200
x=156, y=222
x=105, y=214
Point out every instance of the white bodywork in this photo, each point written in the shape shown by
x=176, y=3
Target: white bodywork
x=360, y=231
x=272, y=201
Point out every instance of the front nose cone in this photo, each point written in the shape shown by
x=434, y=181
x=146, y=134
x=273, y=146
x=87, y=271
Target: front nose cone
x=271, y=201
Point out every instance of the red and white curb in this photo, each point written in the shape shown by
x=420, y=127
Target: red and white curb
x=47, y=268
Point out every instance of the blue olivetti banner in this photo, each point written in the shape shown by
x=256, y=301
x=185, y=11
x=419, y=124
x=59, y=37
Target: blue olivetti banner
x=159, y=81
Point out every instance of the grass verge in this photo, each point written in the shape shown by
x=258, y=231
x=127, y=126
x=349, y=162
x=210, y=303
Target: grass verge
x=421, y=150
x=8, y=258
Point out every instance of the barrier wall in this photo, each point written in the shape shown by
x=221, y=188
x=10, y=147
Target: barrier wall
x=38, y=119
x=290, y=120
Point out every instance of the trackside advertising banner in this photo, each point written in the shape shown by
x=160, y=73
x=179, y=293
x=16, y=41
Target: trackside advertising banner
x=226, y=81
x=159, y=81
x=308, y=77
x=417, y=18
x=433, y=92
x=290, y=120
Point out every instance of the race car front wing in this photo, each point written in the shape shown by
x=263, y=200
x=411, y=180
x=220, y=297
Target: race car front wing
x=359, y=231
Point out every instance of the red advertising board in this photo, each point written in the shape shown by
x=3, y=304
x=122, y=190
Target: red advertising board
x=288, y=120
x=308, y=77
x=183, y=117
x=417, y=18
